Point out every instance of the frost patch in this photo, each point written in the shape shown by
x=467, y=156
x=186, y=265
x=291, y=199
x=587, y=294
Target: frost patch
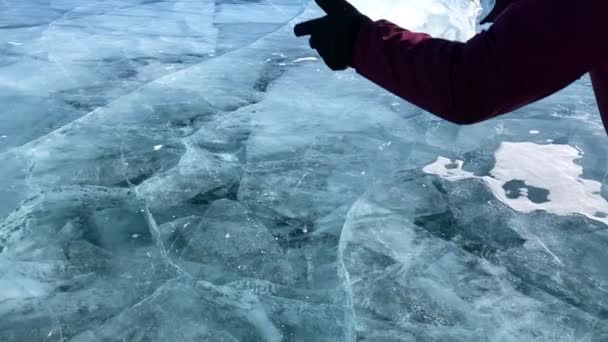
x=529, y=177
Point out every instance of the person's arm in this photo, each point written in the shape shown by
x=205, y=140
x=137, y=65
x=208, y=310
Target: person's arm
x=535, y=48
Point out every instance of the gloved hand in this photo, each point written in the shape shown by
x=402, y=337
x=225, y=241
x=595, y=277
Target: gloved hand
x=334, y=35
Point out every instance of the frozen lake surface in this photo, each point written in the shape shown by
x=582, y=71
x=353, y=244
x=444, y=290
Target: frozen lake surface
x=189, y=171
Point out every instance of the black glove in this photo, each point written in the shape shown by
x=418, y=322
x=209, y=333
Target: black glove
x=334, y=35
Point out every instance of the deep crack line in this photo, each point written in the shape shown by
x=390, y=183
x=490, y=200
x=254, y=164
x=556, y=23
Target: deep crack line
x=155, y=231
x=343, y=273
x=150, y=221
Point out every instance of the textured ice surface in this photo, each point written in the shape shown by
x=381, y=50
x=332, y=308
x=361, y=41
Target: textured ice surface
x=189, y=171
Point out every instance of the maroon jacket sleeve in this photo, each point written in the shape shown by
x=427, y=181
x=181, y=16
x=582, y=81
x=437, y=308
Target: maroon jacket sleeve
x=534, y=48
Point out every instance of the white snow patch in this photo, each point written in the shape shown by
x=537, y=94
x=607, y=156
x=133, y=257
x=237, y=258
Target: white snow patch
x=550, y=167
x=305, y=59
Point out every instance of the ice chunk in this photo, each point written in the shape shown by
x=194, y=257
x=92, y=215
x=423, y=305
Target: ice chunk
x=431, y=266
x=77, y=262
x=67, y=213
x=198, y=171
x=93, y=287
x=115, y=48
x=200, y=318
x=250, y=251
x=316, y=152
x=220, y=313
x=449, y=19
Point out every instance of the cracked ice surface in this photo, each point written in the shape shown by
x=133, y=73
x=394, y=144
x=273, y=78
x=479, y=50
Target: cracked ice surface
x=188, y=171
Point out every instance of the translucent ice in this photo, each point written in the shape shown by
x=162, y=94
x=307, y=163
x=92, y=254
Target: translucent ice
x=188, y=170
